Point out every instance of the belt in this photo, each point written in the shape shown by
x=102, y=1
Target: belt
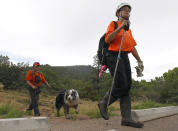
x=116, y=52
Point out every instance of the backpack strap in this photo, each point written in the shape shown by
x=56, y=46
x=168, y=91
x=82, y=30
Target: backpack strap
x=39, y=72
x=115, y=25
x=33, y=73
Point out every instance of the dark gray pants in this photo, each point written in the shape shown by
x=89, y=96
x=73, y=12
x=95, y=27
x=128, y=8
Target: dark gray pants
x=123, y=80
x=34, y=100
x=122, y=83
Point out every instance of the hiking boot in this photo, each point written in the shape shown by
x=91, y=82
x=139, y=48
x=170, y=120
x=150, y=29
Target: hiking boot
x=37, y=114
x=30, y=107
x=36, y=111
x=102, y=105
x=103, y=110
x=125, y=106
x=132, y=124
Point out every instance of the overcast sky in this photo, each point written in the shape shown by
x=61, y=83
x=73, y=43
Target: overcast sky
x=67, y=32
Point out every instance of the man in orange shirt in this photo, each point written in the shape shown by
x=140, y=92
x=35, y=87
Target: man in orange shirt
x=123, y=80
x=34, y=79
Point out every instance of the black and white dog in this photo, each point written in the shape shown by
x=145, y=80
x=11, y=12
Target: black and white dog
x=67, y=99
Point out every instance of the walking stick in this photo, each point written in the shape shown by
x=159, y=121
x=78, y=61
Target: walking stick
x=118, y=58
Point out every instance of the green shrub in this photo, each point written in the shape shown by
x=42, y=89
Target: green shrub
x=4, y=109
x=14, y=114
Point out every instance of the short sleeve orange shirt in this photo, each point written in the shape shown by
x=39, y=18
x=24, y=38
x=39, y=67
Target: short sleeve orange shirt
x=31, y=77
x=128, y=42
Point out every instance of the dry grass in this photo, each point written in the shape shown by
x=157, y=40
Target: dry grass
x=20, y=100
x=86, y=106
x=1, y=86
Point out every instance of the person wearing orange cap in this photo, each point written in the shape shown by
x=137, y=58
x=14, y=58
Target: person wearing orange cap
x=123, y=81
x=34, y=80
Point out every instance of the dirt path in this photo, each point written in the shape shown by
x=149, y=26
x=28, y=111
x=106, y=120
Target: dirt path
x=162, y=124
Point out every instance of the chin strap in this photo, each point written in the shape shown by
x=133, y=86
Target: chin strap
x=128, y=25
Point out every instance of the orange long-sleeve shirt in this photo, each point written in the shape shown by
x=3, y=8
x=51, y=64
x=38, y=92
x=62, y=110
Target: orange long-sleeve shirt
x=31, y=77
x=128, y=42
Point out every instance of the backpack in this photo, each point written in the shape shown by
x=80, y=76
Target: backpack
x=37, y=78
x=103, y=48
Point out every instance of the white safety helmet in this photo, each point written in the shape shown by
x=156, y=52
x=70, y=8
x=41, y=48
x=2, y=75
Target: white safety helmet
x=122, y=5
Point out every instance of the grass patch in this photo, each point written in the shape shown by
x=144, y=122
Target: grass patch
x=7, y=111
x=93, y=114
x=114, y=108
x=28, y=113
x=90, y=109
x=4, y=109
x=13, y=104
x=96, y=113
x=148, y=104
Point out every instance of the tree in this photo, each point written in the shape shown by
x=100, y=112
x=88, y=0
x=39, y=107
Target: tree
x=10, y=73
x=94, y=77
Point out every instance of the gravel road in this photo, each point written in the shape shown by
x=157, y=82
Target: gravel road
x=113, y=124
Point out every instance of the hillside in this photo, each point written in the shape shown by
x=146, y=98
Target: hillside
x=73, y=72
